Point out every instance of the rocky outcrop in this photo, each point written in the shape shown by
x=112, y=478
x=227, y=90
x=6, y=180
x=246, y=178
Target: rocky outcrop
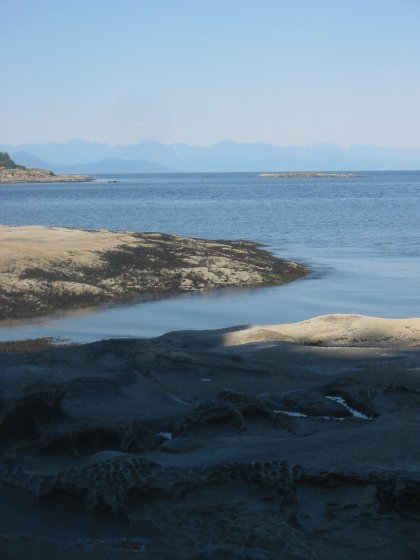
x=36, y=175
x=304, y=175
x=47, y=269
x=185, y=447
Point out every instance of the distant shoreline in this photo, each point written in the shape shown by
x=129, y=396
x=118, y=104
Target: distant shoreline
x=37, y=175
x=304, y=175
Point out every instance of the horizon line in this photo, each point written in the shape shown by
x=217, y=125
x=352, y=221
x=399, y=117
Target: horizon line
x=223, y=141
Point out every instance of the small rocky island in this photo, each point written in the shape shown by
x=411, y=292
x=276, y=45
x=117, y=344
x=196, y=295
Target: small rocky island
x=45, y=269
x=304, y=175
x=11, y=172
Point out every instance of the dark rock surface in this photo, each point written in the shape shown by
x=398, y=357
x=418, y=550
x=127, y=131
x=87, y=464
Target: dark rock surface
x=181, y=447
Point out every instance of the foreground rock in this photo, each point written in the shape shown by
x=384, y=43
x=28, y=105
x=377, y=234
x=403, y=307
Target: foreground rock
x=45, y=269
x=36, y=175
x=216, y=444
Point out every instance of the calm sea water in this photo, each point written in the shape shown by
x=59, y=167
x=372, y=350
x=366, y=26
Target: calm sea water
x=360, y=236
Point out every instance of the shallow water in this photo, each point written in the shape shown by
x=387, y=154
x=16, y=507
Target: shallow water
x=360, y=236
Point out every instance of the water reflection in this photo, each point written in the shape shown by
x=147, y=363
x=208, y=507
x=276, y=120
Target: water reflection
x=355, y=286
x=361, y=237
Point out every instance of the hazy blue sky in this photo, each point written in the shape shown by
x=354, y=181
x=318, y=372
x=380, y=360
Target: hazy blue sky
x=198, y=71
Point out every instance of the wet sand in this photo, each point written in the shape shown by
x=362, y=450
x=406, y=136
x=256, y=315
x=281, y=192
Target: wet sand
x=294, y=441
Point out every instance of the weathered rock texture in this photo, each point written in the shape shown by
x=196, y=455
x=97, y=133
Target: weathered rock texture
x=47, y=269
x=188, y=446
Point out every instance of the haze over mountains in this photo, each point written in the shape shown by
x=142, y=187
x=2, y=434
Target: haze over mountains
x=80, y=156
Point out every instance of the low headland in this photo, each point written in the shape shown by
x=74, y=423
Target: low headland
x=10, y=172
x=45, y=269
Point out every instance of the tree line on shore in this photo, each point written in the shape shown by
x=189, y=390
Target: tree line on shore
x=7, y=162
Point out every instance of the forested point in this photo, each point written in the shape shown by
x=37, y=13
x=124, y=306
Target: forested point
x=7, y=162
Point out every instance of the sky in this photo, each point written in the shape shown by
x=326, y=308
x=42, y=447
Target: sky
x=286, y=72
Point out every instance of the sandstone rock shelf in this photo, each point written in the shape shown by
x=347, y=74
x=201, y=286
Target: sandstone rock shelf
x=47, y=269
x=235, y=443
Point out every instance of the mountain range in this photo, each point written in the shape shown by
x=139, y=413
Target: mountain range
x=80, y=156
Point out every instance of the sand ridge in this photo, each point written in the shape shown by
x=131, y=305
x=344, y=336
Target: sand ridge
x=335, y=330
x=19, y=244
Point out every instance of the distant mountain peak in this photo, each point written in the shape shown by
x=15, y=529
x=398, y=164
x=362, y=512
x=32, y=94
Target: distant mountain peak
x=226, y=155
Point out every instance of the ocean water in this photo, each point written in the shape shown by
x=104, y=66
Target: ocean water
x=360, y=236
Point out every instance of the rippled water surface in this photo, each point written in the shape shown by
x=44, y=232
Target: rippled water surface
x=360, y=236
